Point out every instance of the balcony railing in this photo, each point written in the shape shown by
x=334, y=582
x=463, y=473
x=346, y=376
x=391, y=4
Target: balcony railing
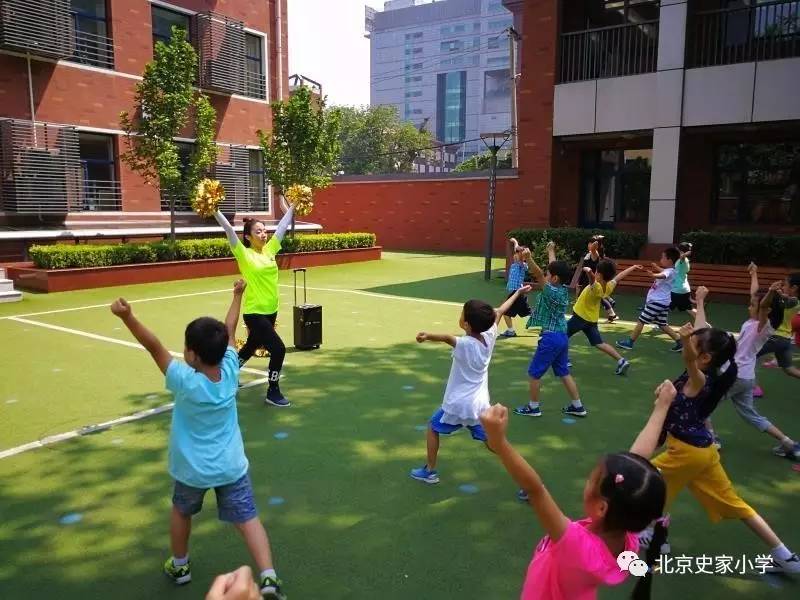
x=734, y=35
x=255, y=85
x=609, y=52
x=101, y=195
x=92, y=49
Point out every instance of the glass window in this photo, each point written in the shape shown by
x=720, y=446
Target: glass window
x=185, y=150
x=498, y=61
x=100, y=190
x=615, y=186
x=497, y=91
x=258, y=183
x=494, y=42
x=92, y=45
x=254, y=57
x=500, y=24
x=163, y=21
x=758, y=183
x=451, y=46
x=496, y=6
x=451, y=104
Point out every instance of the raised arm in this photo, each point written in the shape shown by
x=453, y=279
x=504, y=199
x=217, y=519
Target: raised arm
x=143, y=335
x=700, y=294
x=284, y=223
x=697, y=379
x=766, y=304
x=534, y=268
x=436, y=337
x=506, y=306
x=495, y=423
x=230, y=232
x=514, y=244
x=551, y=251
x=232, y=318
x=752, y=268
x=647, y=440
x=622, y=275
x=590, y=274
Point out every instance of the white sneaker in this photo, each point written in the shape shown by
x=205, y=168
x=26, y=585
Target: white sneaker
x=790, y=565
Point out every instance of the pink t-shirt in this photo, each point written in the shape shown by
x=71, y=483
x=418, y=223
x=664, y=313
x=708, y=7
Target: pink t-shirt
x=573, y=567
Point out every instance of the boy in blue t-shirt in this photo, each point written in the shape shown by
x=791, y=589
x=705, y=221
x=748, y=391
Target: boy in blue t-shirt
x=553, y=348
x=205, y=442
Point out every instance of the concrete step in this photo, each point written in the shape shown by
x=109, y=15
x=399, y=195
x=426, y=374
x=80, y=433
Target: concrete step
x=6, y=285
x=10, y=296
x=2, y=273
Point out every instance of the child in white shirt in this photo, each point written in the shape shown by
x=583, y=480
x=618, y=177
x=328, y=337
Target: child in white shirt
x=467, y=393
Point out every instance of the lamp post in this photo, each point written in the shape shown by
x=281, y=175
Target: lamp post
x=494, y=142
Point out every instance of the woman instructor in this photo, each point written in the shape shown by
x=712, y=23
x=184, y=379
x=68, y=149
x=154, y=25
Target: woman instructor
x=255, y=256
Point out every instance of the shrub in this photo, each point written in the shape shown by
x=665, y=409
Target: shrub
x=739, y=248
x=63, y=256
x=571, y=242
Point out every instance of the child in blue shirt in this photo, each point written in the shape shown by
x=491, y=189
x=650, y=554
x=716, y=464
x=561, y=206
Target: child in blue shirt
x=681, y=290
x=205, y=442
x=515, y=280
x=553, y=348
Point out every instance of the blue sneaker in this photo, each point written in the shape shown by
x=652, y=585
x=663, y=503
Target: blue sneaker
x=622, y=367
x=425, y=475
x=626, y=344
x=575, y=411
x=508, y=333
x=522, y=496
x=276, y=398
x=527, y=411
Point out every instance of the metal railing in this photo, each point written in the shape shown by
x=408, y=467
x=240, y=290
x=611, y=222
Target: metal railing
x=91, y=49
x=255, y=85
x=101, y=195
x=609, y=52
x=734, y=35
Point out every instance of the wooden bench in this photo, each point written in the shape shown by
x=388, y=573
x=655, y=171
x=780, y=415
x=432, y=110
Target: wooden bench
x=723, y=281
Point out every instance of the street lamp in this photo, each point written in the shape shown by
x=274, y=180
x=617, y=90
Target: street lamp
x=493, y=141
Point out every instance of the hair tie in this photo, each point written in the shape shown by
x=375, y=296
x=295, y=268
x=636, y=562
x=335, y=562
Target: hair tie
x=619, y=478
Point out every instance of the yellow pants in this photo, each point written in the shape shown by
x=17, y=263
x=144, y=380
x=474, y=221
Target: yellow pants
x=699, y=469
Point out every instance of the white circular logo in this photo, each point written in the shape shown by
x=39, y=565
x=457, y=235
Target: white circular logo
x=630, y=561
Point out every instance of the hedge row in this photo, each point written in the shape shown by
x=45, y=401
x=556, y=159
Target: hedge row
x=571, y=242
x=62, y=256
x=734, y=248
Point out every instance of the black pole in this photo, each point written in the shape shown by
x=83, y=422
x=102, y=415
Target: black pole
x=487, y=267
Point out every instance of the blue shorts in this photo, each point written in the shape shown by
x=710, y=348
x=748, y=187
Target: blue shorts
x=589, y=329
x=552, y=351
x=235, y=503
x=477, y=431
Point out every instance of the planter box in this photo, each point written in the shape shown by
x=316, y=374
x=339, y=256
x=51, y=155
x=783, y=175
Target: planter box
x=63, y=280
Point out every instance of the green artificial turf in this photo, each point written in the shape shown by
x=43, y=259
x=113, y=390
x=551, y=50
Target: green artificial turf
x=351, y=523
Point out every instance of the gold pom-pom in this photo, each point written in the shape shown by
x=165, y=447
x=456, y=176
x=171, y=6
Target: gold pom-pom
x=259, y=353
x=302, y=197
x=207, y=198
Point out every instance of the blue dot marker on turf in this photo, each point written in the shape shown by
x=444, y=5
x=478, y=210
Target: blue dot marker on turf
x=71, y=519
x=281, y=435
x=568, y=421
x=275, y=501
x=468, y=488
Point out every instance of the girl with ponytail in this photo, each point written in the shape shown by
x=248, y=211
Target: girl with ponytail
x=691, y=460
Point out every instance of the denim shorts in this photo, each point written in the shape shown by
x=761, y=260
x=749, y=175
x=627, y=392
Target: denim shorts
x=235, y=503
x=552, y=351
x=477, y=432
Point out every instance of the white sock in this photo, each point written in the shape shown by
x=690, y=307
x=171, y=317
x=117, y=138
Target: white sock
x=781, y=552
x=620, y=361
x=533, y=404
x=787, y=442
x=179, y=562
x=269, y=573
x=577, y=403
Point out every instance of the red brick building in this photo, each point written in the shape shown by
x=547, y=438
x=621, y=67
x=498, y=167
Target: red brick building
x=659, y=117
x=72, y=66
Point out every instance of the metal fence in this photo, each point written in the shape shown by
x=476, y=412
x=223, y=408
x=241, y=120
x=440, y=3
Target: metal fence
x=92, y=49
x=100, y=195
x=734, y=35
x=609, y=52
x=255, y=85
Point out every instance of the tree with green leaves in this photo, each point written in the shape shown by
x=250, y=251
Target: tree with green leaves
x=303, y=146
x=374, y=140
x=165, y=99
x=481, y=162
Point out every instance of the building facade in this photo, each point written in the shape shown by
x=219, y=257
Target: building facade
x=69, y=67
x=444, y=66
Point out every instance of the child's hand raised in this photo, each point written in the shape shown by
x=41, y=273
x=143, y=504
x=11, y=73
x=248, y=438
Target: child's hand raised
x=587, y=270
x=422, y=336
x=525, y=289
x=665, y=393
x=701, y=292
x=752, y=268
x=686, y=331
x=121, y=308
x=776, y=287
x=551, y=245
x=495, y=423
x=526, y=253
x=238, y=287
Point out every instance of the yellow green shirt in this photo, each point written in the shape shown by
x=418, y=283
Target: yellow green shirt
x=785, y=329
x=587, y=307
x=260, y=272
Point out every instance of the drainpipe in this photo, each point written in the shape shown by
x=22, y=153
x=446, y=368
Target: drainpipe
x=279, y=44
x=30, y=99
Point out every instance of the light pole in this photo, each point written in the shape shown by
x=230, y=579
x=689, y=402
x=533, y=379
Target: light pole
x=493, y=141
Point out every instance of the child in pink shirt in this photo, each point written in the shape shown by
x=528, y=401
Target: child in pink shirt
x=623, y=495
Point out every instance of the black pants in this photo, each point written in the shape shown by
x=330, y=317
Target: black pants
x=262, y=334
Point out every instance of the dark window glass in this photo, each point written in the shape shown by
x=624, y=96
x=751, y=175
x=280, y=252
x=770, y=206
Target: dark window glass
x=258, y=184
x=758, y=183
x=451, y=106
x=92, y=45
x=594, y=14
x=164, y=20
x=254, y=55
x=497, y=91
x=615, y=186
x=100, y=189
